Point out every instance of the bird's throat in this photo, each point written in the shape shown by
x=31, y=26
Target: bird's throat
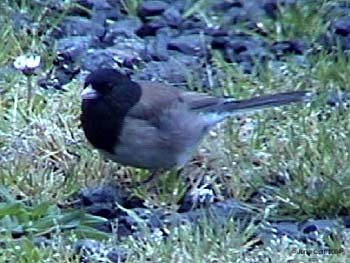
x=101, y=125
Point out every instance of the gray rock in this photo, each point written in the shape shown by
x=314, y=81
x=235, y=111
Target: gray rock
x=125, y=28
x=117, y=255
x=189, y=44
x=226, y=5
x=219, y=42
x=151, y=28
x=172, y=16
x=102, y=194
x=219, y=213
x=140, y=220
x=126, y=52
x=197, y=198
x=307, y=232
x=80, y=26
x=236, y=15
x=246, y=49
x=341, y=26
x=152, y=8
x=89, y=4
x=89, y=246
x=290, y=47
x=332, y=42
x=174, y=71
x=74, y=46
x=157, y=48
x=100, y=58
x=94, y=251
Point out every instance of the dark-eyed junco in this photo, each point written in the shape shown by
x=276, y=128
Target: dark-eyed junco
x=152, y=125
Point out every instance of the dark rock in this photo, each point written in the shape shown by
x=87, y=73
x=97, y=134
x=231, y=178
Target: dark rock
x=89, y=246
x=346, y=221
x=219, y=213
x=79, y=26
x=236, y=15
x=151, y=28
x=310, y=228
x=239, y=46
x=333, y=42
x=193, y=26
x=102, y=200
x=216, y=32
x=254, y=10
x=126, y=52
x=100, y=58
x=181, y=5
x=247, y=67
x=101, y=14
x=188, y=44
x=64, y=71
x=52, y=6
x=172, y=17
x=49, y=83
x=97, y=10
x=341, y=26
x=219, y=42
x=197, y=198
x=126, y=28
x=152, y=8
x=102, y=194
x=89, y=4
x=157, y=48
x=246, y=49
x=106, y=210
x=174, y=71
x=321, y=226
x=226, y=4
x=66, y=74
x=89, y=250
x=117, y=255
x=74, y=46
x=271, y=9
x=293, y=46
x=308, y=232
x=138, y=220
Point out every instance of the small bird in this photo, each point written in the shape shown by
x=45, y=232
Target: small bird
x=155, y=126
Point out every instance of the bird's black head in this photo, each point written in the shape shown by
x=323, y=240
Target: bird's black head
x=103, y=81
x=108, y=96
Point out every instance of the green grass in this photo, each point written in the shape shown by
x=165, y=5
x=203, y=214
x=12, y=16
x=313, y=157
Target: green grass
x=44, y=149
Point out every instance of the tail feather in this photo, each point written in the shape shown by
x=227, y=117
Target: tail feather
x=219, y=112
x=263, y=102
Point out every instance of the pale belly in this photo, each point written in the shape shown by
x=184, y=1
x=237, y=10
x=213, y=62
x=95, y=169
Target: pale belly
x=151, y=159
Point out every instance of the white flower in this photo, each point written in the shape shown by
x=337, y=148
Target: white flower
x=27, y=63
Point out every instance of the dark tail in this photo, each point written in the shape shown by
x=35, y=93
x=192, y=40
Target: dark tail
x=263, y=102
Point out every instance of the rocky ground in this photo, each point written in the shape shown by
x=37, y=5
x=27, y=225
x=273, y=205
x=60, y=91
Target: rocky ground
x=179, y=42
